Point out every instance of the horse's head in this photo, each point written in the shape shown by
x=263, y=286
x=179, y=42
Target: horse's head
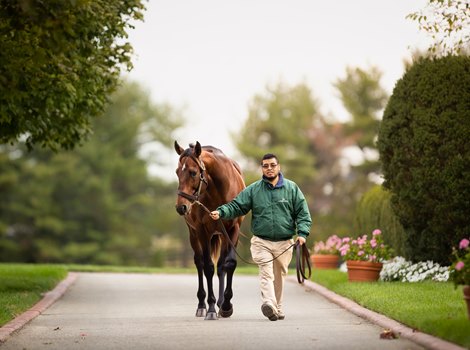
x=191, y=176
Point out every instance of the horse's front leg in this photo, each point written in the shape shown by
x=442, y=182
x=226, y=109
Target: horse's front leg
x=201, y=294
x=209, y=273
x=230, y=264
x=221, y=275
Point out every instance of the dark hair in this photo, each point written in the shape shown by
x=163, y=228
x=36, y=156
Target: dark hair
x=269, y=156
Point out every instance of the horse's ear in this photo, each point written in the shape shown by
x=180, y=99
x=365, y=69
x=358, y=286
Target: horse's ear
x=197, y=149
x=178, y=148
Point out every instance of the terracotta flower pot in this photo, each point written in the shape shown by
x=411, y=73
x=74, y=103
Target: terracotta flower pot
x=466, y=297
x=324, y=261
x=363, y=271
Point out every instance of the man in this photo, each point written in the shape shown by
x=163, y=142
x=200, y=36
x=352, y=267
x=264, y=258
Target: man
x=279, y=211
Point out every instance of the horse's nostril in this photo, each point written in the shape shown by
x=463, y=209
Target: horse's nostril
x=182, y=209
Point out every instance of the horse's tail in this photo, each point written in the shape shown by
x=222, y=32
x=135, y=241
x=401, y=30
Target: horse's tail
x=216, y=244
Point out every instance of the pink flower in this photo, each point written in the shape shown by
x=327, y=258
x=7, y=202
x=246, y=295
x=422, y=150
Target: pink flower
x=344, y=249
x=363, y=249
x=330, y=246
x=376, y=232
x=459, y=266
x=461, y=263
x=464, y=243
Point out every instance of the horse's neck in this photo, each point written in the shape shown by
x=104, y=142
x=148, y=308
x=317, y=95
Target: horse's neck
x=220, y=175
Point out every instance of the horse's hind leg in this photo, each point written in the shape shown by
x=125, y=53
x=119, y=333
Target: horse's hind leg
x=230, y=264
x=201, y=294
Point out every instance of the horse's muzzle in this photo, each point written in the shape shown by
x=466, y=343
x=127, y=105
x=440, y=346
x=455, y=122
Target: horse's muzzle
x=182, y=209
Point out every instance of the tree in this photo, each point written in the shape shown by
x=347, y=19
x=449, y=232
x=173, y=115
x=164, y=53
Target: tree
x=95, y=204
x=363, y=97
x=424, y=149
x=278, y=122
x=448, y=23
x=59, y=61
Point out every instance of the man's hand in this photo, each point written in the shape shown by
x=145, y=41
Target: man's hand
x=215, y=215
x=301, y=240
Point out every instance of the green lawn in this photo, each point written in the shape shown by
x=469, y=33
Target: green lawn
x=431, y=307
x=21, y=286
x=435, y=308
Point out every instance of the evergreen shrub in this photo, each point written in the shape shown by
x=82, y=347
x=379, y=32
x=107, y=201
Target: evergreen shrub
x=424, y=149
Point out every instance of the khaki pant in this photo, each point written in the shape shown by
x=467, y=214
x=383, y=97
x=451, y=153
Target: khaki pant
x=273, y=273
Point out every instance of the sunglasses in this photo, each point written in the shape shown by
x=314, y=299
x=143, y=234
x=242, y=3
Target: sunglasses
x=267, y=166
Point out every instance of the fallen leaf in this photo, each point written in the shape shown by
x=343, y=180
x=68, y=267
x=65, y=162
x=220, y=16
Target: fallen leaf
x=388, y=334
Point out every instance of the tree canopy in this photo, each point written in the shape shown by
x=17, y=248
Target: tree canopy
x=59, y=60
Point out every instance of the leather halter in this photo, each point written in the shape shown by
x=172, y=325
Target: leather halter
x=195, y=196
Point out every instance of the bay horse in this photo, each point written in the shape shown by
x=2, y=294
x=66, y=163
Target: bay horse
x=207, y=178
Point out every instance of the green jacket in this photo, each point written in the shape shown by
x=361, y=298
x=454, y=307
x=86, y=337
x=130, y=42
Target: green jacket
x=278, y=213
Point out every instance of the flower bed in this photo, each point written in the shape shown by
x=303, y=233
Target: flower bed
x=363, y=249
x=398, y=269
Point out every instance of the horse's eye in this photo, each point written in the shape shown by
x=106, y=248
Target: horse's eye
x=193, y=173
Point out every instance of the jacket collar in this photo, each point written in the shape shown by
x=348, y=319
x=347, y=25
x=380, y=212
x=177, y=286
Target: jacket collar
x=280, y=181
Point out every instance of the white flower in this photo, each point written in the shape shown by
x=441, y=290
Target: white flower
x=398, y=269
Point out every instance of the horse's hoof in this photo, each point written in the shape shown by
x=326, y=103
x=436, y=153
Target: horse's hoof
x=226, y=313
x=201, y=312
x=212, y=315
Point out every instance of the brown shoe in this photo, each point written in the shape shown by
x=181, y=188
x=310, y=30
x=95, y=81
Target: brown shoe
x=269, y=312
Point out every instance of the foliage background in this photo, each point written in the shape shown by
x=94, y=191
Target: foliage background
x=95, y=201
x=95, y=204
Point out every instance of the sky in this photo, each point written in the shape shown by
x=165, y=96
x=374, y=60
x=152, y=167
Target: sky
x=209, y=58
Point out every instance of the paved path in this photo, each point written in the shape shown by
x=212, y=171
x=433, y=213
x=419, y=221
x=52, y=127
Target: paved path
x=142, y=311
